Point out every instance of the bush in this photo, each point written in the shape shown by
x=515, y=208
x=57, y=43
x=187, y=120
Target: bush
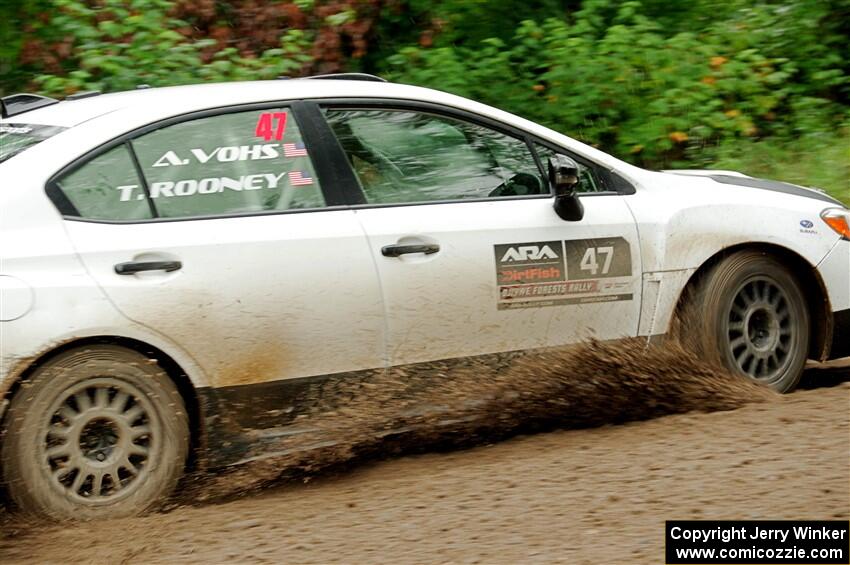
x=616, y=79
x=120, y=45
x=660, y=84
x=820, y=161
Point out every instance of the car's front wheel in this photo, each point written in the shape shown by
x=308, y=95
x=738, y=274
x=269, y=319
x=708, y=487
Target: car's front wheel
x=96, y=432
x=750, y=312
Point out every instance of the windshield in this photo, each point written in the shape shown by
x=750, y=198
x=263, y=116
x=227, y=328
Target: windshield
x=15, y=138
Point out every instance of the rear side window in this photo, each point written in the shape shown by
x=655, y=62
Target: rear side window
x=15, y=138
x=108, y=188
x=235, y=163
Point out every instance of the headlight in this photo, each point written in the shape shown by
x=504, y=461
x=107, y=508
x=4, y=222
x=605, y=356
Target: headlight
x=839, y=220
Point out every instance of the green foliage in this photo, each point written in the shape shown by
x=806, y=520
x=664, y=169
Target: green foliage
x=12, y=15
x=821, y=161
x=617, y=79
x=661, y=84
x=121, y=44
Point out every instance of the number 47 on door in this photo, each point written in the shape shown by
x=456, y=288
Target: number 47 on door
x=590, y=261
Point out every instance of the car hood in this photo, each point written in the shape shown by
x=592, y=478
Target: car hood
x=740, y=179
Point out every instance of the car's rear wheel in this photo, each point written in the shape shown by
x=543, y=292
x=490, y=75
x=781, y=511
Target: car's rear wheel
x=749, y=312
x=96, y=432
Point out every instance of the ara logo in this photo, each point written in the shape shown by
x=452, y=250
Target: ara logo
x=529, y=253
x=806, y=224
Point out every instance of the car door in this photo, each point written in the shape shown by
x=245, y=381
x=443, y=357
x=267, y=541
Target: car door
x=471, y=255
x=216, y=232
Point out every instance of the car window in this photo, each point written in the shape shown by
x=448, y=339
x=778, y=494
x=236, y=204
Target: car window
x=404, y=156
x=588, y=180
x=226, y=164
x=15, y=138
x=107, y=188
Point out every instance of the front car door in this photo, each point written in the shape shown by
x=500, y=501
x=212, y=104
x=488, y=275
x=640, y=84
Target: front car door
x=472, y=257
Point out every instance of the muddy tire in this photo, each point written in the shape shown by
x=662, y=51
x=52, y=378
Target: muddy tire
x=96, y=432
x=749, y=313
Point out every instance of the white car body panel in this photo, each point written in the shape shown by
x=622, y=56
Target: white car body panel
x=66, y=304
x=258, y=298
x=443, y=306
x=678, y=222
x=703, y=172
x=110, y=116
x=680, y=229
x=835, y=268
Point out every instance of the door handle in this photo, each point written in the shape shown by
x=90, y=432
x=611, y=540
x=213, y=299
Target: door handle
x=398, y=250
x=133, y=267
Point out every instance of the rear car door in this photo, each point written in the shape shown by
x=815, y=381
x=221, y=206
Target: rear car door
x=471, y=255
x=215, y=231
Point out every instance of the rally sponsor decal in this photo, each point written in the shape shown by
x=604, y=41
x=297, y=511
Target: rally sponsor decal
x=555, y=273
x=598, y=258
x=226, y=154
x=540, y=261
x=211, y=185
x=230, y=154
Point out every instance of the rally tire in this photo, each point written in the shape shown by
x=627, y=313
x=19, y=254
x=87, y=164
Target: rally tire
x=749, y=313
x=97, y=432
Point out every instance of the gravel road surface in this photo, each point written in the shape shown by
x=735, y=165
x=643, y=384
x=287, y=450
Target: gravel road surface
x=597, y=495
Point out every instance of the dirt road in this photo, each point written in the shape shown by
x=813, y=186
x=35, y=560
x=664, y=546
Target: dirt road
x=582, y=496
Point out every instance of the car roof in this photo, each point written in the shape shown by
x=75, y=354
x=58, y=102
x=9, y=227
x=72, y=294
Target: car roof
x=165, y=102
x=181, y=99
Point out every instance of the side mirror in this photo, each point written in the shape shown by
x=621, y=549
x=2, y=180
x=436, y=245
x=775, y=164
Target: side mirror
x=563, y=176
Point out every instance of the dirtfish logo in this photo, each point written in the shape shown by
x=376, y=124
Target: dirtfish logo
x=528, y=253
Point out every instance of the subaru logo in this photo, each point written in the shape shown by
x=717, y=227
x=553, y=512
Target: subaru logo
x=806, y=223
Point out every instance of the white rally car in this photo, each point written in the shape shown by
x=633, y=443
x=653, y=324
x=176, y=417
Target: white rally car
x=179, y=265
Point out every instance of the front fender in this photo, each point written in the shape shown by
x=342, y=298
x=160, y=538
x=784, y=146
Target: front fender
x=684, y=222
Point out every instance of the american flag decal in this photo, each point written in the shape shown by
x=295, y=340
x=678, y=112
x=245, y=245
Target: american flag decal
x=294, y=150
x=300, y=178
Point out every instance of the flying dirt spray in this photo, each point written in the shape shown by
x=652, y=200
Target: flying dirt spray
x=590, y=384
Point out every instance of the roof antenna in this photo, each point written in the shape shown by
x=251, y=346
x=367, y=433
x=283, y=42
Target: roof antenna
x=81, y=95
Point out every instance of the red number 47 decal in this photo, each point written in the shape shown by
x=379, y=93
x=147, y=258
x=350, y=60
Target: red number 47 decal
x=265, y=127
